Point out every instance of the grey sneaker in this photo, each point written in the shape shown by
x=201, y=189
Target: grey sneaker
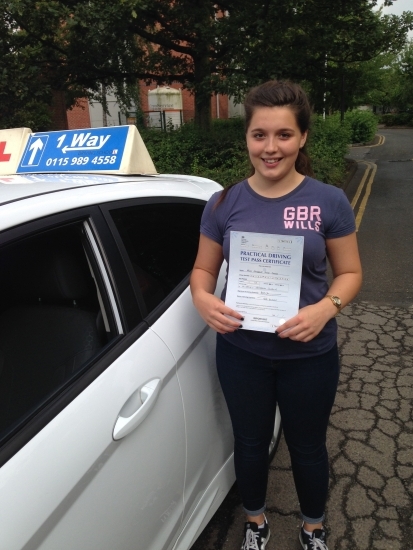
x=316, y=541
x=254, y=537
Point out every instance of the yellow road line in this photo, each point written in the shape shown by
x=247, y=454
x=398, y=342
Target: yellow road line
x=368, y=176
x=382, y=139
x=373, y=169
x=361, y=185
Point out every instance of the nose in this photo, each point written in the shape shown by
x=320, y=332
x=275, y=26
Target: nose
x=271, y=145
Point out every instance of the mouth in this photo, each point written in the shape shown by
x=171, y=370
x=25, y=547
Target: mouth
x=271, y=161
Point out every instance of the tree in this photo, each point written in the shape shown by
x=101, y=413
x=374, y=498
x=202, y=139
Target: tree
x=21, y=97
x=403, y=98
x=72, y=48
x=77, y=46
x=228, y=46
x=339, y=44
x=375, y=82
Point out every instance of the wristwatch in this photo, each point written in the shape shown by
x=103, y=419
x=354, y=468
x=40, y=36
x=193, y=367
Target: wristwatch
x=336, y=301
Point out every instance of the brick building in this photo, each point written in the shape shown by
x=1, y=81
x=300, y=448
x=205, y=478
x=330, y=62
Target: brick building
x=90, y=114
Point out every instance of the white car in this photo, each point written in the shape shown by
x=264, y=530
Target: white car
x=114, y=434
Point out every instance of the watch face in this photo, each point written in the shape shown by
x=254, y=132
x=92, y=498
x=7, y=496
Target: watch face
x=337, y=301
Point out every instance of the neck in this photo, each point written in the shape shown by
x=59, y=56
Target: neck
x=274, y=189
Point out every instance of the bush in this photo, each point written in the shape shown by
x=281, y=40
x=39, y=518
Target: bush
x=363, y=125
x=221, y=153
x=34, y=115
x=327, y=146
x=397, y=119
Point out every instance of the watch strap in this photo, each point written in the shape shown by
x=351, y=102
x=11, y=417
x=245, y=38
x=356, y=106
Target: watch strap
x=335, y=300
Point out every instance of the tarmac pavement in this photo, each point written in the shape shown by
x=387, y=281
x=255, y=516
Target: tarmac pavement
x=370, y=443
x=370, y=438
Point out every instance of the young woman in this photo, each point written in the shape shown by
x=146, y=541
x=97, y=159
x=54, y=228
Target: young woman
x=297, y=366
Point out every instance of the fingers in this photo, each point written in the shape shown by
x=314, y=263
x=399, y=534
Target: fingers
x=225, y=320
x=223, y=327
x=305, y=326
x=217, y=315
x=299, y=333
x=233, y=313
x=284, y=330
x=296, y=333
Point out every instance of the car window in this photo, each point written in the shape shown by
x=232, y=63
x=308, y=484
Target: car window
x=161, y=240
x=54, y=320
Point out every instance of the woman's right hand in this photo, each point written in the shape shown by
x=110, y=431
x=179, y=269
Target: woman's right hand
x=203, y=282
x=215, y=313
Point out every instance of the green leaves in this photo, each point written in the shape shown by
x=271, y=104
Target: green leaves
x=221, y=153
x=225, y=46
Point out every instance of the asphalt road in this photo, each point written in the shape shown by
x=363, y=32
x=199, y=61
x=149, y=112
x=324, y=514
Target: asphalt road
x=386, y=228
x=370, y=438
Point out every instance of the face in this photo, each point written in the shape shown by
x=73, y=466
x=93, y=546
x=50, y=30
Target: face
x=274, y=140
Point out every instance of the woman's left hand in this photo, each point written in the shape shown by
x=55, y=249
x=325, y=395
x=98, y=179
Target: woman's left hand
x=308, y=322
x=345, y=263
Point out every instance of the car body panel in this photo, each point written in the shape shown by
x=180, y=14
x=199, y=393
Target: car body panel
x=91, y=491
x=38, y=202
x=155, y=488
x=72, y=486
x=205, y=409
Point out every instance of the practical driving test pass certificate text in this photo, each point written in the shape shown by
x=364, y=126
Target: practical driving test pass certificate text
x=264, y=278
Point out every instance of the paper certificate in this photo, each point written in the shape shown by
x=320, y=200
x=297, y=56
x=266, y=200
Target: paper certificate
x=264, y=278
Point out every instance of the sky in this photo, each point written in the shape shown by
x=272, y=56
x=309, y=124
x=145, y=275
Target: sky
x=398, y=7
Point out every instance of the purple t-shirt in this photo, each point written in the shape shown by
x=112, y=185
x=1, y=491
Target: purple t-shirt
x=314, y=210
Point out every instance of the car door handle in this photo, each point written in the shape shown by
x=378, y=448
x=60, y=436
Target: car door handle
x=136, y=408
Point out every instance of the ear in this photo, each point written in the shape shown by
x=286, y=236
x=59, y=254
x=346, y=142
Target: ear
x=303, y=139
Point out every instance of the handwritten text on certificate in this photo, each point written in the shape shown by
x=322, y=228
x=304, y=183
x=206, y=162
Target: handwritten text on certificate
x=264, y=278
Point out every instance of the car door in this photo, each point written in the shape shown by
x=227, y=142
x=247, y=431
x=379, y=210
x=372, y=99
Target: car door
x=94, y=457
x=210, y=470
x=173, y=226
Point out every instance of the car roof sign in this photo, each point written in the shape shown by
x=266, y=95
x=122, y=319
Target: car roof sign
x=12, y=143
x=115, y=149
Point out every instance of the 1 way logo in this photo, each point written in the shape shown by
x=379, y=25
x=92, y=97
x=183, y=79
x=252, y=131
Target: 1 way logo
x=34, y=150
x=91, y=150
x=83, y=142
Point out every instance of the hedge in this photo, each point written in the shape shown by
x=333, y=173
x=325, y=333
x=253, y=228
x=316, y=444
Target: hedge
x=363, y=125
x=328, y=144
x=221, y=153
x=397, y=119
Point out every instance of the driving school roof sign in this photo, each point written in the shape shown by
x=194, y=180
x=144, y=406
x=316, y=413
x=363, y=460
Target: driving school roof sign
x=12, y=143
x=117, y=149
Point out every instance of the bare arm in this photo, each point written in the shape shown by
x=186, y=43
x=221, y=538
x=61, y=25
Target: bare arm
x=203, y=282
x=345, y=262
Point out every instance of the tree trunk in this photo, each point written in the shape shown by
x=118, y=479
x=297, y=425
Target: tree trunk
x=202, y=79
x=342, y=101
x=104, y=106
x=59, y=111
x=202, y=111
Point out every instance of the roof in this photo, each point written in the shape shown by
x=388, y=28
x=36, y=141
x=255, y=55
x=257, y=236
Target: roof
x=15, y=188
x=28, y=197
x=49, y=172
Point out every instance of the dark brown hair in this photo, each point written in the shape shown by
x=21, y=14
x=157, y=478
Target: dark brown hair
x=278, y=93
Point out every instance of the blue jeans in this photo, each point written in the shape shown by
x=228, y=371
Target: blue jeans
x=304, y=390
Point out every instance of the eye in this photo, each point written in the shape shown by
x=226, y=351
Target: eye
x=285, y=135
x=257, y=135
